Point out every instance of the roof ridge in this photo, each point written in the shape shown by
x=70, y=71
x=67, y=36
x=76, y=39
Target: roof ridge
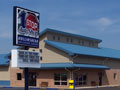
x=68, y=33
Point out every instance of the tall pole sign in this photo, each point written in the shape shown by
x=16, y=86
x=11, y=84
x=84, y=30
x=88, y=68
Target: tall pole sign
x=25, y=33
x=25, y=27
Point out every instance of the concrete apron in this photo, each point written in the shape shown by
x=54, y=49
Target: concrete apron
x=81, y=87
x=97, y=86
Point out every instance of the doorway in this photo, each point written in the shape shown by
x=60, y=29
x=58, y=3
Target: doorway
x=100, y=78
x=32, y=79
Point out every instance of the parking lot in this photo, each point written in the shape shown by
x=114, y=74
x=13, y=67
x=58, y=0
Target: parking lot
x=102, y=88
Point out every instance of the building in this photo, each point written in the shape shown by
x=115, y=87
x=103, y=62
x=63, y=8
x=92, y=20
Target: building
x=66, y=56
x=4, y=70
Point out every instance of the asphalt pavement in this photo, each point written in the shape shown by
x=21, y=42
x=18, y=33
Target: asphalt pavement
x=102, y=88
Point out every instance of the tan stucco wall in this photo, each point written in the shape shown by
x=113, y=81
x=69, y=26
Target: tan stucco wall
x=4, y=73
x=52, y=55
x=113, y=63
x=75, y=40
x=88, y=60
x=110, y=76
x=13, y=77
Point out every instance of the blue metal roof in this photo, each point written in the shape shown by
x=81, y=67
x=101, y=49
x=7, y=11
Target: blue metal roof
x=71, y=65
x=73, y=49
x=69, y=34
x=4, y=60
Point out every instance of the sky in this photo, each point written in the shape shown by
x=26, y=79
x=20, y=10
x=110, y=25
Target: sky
x=94, y=18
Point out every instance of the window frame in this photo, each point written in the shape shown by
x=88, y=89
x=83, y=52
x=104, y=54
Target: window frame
x=115, y=76
x=67, y=39
x=58, y=38
x=41, y=51
x=71, y=40
x=83, y=43
x=19, y=76
x=82, y=81
x=60, y=81
x=54, y=37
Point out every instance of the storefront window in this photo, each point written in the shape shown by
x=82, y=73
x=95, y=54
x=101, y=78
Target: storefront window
x=60, y=79
x=80, y=79
x=57, y=77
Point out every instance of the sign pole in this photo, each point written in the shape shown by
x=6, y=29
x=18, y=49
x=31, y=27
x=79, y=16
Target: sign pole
x=26, y=74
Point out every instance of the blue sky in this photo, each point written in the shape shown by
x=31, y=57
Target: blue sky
x=93, y=18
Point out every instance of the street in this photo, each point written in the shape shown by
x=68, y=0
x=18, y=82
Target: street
x=104, y=88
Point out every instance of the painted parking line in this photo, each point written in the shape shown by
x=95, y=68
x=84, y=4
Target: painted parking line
x=51, y=89
x=7, y=87
x=34, y=88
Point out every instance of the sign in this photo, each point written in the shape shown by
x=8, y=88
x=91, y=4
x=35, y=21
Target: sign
x=25, y=27
x=71, y=84
x=25, y=59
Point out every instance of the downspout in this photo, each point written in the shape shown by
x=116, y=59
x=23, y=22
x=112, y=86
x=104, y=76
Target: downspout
x=69, y=72
x=74, y=71
x=74, y=57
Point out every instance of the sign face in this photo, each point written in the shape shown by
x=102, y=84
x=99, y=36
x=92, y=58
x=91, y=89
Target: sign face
x=72, y=84
x=25, y=59
x=25, y=27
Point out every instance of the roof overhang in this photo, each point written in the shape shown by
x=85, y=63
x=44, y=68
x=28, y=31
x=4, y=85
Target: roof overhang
x=73, y=49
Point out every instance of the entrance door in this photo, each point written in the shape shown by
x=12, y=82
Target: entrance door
x=32, y=79
x=100, y=78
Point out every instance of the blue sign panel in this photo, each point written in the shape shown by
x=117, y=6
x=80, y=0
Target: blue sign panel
x=28, y=41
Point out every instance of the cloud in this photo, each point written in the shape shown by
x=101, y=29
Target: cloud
x=6, y=35
x=102, y=24
x=105, y=21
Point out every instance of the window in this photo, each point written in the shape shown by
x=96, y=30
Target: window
x=67, y=39
x=91, y=44
x=82, y=42
x=41, y=58
x=19, y=76
x=115, y=76
x=71, y=40
x=60, y=79
x=40, y=50
x=53, y=37
x=58, y=38
x=79, y=41
x=81, y=79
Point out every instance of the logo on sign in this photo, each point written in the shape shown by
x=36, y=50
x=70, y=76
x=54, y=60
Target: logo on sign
x=28, y=24
x=31, y=22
